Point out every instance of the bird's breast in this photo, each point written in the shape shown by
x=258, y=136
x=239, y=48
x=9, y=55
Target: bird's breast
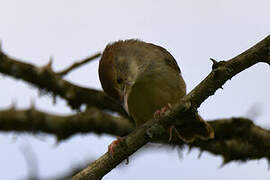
x=152, y=92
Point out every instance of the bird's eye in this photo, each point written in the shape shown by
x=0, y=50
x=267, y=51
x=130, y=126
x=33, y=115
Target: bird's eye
x=119, y=80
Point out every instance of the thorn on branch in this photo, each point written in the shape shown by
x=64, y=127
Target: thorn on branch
x=224, y=162
x=127, y=161
x=217, y=64
x=200, y=154
x=47, y=67
x=189, y=149
x=213, y=60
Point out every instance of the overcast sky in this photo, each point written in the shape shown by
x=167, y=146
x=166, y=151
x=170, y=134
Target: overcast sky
x=193, y=31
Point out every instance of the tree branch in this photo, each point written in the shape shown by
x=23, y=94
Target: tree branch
x=235, y=138
x=221, y=72
x=78, y=64
x=92, y=120
x=46, y=80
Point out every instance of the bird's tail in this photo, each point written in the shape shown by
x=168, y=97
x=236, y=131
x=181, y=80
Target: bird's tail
x=196, y=128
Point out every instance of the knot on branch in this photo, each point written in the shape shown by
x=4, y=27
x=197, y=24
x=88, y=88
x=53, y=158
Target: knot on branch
x=156, y=132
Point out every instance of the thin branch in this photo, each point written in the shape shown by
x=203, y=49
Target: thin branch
x=222, y=72
x=46, y=80
x=78, y=64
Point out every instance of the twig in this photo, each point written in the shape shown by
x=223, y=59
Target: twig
x=78, y=64
x=222, y=72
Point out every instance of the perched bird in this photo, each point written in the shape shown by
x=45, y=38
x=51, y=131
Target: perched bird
x=143, y=77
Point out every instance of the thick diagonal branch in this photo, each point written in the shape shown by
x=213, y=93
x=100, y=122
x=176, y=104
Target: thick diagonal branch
x=222, y=71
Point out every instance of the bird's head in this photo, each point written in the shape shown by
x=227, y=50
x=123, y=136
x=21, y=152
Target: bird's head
x=118, y=70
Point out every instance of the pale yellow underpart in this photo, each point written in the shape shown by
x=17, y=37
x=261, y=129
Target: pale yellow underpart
x=155, y=87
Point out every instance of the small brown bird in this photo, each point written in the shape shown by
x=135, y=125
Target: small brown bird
x=142, y=76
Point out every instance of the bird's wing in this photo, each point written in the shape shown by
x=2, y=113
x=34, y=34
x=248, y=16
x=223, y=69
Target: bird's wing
x=168, y=58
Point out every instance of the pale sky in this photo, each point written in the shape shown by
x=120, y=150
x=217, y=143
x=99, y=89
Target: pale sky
x=193, y=31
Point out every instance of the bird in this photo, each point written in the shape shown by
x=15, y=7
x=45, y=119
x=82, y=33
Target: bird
x=143, y=77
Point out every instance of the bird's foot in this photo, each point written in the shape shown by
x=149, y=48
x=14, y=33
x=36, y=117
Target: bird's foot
x=163, y=111
x=113, y=145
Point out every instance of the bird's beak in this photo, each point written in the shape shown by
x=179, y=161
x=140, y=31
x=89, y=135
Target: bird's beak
x=124, y=98
x=121, y=98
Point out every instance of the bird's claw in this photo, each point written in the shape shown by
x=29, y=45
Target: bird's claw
x=163, y=111
x=113, y=145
